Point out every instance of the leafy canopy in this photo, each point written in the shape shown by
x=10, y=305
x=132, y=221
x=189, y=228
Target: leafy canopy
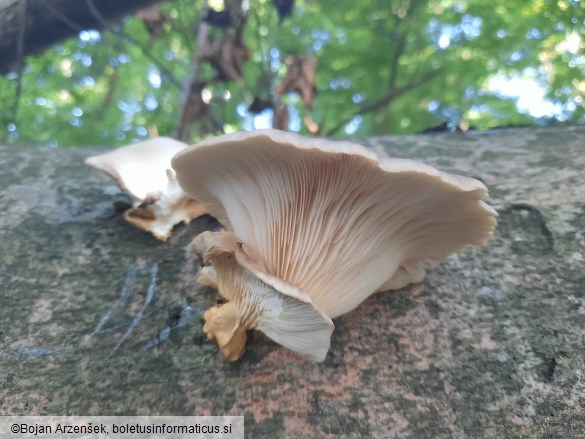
x=382, y=67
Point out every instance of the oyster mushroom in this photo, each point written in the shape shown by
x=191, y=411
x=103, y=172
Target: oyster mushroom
x=331, y=220
x=143, y=170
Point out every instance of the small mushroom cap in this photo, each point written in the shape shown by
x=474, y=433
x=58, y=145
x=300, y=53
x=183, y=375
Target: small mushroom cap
x=160, y=215
x=289, y=318
x=331, y=219
x=141, y=168
x=144, y=171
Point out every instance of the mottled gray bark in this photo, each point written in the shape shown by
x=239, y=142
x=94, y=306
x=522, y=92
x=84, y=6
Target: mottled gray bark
x=29, y=26
x=97, y=317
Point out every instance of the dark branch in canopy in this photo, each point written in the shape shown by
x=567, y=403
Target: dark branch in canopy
x=50, y=21
x=387, y=99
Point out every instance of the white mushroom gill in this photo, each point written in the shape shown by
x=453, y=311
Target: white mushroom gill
x=143, y=170
x=329, y=218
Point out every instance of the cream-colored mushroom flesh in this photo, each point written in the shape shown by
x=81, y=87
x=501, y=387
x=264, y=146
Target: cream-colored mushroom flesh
x=144, y=171
x=291, y=320
x=331, y=218
x=160, y=215
x=207, y=277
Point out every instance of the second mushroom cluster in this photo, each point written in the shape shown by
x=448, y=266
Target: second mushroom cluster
x=314, y=227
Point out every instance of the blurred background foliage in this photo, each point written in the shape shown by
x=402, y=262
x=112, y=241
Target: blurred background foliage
x=191, y=69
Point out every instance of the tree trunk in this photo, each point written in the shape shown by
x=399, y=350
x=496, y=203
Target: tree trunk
x=99, y=317
x=30, y=26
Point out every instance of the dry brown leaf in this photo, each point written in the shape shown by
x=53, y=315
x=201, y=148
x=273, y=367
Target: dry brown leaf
x=280, y=119
x=301, y=77
x=227, y=56
x=313, y=127
x=153, y=19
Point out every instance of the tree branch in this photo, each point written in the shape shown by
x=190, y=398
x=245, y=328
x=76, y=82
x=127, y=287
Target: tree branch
x=124, y=37
x=382, y=102
x=400, y=46
x=400, y=27
x=191, y=86
x=44, y=27
x=20, y=54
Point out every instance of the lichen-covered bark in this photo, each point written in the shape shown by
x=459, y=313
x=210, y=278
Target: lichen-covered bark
x=97, y=317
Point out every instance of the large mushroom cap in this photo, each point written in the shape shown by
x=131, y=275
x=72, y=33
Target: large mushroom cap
x=330, y=218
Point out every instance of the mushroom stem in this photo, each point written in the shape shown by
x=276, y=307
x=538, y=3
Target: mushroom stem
x=222, y=323
x=290, y=320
